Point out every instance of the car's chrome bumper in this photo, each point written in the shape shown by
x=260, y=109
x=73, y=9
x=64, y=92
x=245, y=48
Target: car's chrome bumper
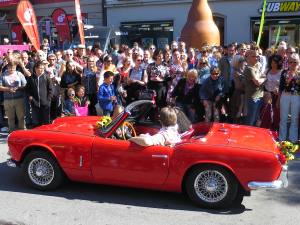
x=276, y=184
x=11, y=163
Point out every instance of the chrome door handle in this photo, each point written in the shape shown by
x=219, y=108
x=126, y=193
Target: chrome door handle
x=160, y=156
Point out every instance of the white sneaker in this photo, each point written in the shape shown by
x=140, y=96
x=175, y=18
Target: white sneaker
x=4, y=129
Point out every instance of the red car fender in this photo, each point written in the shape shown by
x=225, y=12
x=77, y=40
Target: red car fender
x=32, y=146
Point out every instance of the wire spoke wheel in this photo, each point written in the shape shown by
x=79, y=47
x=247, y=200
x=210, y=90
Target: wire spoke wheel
x=41, y=172
x=211, y=186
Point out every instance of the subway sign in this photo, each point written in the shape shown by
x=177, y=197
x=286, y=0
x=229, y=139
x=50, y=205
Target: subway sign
x=281, y=7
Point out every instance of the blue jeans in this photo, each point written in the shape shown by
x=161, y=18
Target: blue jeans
x=289, y=104
x=253, y=111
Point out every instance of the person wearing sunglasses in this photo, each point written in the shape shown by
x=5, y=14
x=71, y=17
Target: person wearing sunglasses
x=136, y=81
x=69, y=104
x=254, y=83
x=211, y=95
x=52, y=70
x=289, y=104
x=152, y=49
x=203, y=70
x=107, y=66
x=80, y=56
x=69, y=58
x=242, y=48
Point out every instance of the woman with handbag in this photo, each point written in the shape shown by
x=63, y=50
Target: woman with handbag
x=270, y=113
x=136, y=81
x=158, y=72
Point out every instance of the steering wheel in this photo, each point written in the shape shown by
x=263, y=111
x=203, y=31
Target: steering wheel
x=126, y=131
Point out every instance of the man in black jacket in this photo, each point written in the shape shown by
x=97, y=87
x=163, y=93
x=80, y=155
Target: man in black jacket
x=40, y=91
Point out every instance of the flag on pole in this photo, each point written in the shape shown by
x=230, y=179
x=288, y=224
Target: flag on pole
x=26, y=16
x=262, y=21
x=79, y=21
x=61, y=22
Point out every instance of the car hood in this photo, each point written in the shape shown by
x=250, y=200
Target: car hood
x=78, y=125
x=249, y=137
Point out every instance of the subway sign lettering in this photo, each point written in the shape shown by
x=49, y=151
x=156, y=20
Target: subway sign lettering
x=286, y=6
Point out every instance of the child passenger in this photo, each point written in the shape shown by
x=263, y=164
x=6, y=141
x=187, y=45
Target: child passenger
x=168, y=135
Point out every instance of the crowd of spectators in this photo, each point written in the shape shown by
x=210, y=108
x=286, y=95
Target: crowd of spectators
x=239, y=83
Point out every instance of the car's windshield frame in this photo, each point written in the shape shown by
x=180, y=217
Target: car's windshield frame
x=121, y=117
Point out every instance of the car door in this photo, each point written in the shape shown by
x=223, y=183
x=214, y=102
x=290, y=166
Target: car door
x=125, y=163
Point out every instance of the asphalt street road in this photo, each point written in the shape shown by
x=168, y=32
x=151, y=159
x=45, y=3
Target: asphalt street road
x=87, y=204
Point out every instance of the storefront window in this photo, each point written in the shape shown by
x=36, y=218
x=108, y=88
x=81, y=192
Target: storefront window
x=277, y=29
x=146, y=33
x=285, y=33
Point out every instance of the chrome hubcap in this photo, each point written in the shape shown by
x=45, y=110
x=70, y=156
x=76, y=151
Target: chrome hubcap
x=40, y=172
x=211, y=186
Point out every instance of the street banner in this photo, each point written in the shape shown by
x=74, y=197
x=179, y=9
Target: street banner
x=79, y=21
x=4, y=48
x=262, y=21
x=27, y=18
x=61, y=22
x=16, y=34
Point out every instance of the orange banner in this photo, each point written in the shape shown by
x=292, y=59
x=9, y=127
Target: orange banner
x=79, y=21
x=27, y=18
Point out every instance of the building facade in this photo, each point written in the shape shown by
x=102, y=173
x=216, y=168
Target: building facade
x=161, y=21
x=92, y=13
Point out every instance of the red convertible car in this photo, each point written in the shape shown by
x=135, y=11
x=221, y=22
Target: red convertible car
x=215, y=164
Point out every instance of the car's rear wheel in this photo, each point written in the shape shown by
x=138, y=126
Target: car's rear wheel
x=41, y=171
x=211, y=187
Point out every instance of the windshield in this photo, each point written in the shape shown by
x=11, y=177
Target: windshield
x=113, y=123
x=132, y=112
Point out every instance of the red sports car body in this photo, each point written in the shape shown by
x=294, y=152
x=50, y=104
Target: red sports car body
x=216, y=164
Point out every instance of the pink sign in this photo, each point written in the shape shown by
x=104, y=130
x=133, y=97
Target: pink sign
x=4, y=48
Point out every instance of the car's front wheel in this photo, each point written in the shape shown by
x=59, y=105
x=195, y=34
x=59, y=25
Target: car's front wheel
x=41, y=170
x=211, y=186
